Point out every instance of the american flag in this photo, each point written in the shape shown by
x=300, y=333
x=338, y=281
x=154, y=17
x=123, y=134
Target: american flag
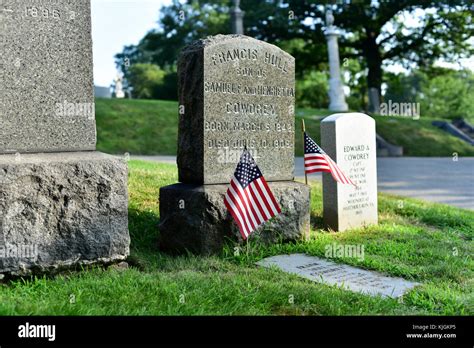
x=316, y=160
x=249, y=199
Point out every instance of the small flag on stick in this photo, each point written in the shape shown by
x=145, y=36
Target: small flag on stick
x=249, y=198
x=316, y=160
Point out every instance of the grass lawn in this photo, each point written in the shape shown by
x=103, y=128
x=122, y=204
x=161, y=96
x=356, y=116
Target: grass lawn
x=150, y=127
x=420, y=241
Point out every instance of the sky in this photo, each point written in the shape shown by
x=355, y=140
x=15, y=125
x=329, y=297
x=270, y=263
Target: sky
x=115, y=24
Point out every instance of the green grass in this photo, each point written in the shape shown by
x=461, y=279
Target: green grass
x=150, y=127
x=137, y=126
x=425, y=242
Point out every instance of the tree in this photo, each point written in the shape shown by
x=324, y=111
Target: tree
x=449, y=95
x=145, y=79
x=441, y=92
x=179, y=25
x=376, y=32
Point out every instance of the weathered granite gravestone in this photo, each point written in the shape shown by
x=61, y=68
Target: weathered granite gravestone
x=47, y=100
x=349, y=139
x=341, y=275
x=234, y=91
x=56, y=208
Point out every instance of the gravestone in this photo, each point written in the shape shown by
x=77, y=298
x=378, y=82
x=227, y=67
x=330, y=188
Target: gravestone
x=349, y=139
x=47, y=99
x=61, y=204
x=234, y=91
x=347, y=277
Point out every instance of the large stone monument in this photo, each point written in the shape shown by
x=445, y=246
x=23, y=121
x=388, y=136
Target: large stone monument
x=234, y=91
x=237, y=18
x=349, y=139
x=118, y=87
x=337, y=100
x=61, y=203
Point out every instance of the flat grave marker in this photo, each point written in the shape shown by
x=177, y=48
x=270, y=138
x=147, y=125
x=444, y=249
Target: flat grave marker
x=332, y=273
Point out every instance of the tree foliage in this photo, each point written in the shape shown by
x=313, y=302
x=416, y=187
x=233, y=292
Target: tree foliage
x=376, y=33
x=442, y=93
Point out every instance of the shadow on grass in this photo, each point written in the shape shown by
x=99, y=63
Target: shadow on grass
x=317, y=222
x=144, y=233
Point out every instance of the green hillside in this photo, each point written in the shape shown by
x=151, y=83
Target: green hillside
x=149, y=127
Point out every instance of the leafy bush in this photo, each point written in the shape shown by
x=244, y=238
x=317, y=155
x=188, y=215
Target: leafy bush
x=149, y=81
x=312, y=90
x=449, y=96
x=442, y=93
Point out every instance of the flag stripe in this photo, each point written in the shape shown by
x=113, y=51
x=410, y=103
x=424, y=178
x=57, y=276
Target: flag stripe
x=318, y=171
x=236, y=215
x=251, y=207
x=345, y=179
x=316, y=160
x=231, y=208
x=238, y=203
x=248, y=197
x=255, y=206
x=238, y=212
x=317, y=167
x=334, y=171
x=245, y=208
x=261, y=204
x=308, y=163
x=272, y=197
x=264, y=200
x=267, y=198
x=235, y=184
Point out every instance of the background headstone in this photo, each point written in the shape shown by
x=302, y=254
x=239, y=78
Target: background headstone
x=349, y=139
x=46, y=95
x=57, y=209
x=235, y=91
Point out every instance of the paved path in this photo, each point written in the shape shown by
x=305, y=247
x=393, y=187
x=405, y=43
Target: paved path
x=431, y=178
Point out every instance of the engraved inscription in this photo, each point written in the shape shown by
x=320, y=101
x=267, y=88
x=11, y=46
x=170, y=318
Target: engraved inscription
x=348, y=277
x=42, y=12
x=239, y=103
x=248, y=94
x=358, y=157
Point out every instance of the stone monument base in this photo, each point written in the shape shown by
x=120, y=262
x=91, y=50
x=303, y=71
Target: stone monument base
x=194, y=217
x=60, y=210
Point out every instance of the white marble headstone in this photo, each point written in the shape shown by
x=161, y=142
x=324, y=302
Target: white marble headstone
x=331, y=273
x=349, y=139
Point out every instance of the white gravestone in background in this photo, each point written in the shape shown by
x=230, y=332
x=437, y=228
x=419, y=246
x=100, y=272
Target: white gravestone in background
x=349, y=139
